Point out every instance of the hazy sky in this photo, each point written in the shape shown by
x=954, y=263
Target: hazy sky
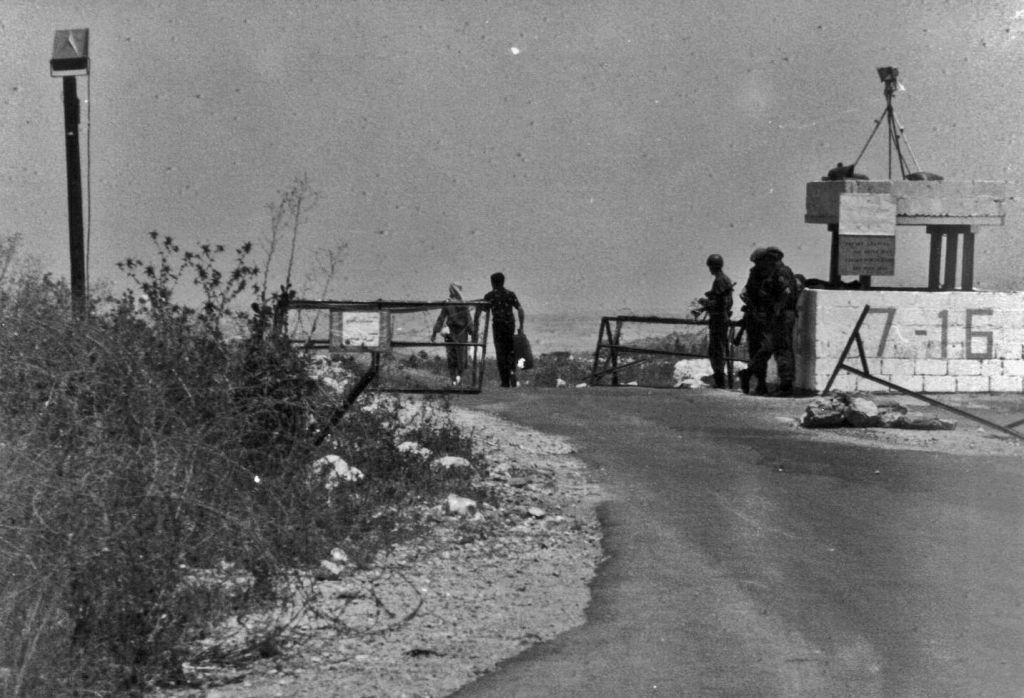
x=596, y=152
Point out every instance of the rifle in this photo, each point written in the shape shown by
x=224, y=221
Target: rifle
x=738, y=339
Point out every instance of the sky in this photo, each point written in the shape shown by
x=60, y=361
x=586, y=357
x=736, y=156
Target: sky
x=595, y=152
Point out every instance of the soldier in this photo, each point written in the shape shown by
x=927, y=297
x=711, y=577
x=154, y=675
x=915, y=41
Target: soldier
x=776, y=302
x=755, y=320
x=717, y=303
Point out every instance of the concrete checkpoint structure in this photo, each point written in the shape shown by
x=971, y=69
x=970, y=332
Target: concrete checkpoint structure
x=945, y=337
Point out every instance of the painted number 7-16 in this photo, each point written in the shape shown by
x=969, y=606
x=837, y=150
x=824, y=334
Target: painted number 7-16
x=972, y=337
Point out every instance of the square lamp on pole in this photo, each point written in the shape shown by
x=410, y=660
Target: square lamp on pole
x=70, y=53
x=70, y=59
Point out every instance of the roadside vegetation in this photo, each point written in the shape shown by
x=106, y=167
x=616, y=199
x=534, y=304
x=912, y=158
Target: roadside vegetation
x=157, y=467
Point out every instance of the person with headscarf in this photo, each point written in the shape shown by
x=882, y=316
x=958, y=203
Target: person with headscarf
x=453, y=322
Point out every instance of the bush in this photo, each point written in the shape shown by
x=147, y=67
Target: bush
x=141, y=449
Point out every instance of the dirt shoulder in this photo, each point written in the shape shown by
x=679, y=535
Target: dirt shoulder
x=432, y=616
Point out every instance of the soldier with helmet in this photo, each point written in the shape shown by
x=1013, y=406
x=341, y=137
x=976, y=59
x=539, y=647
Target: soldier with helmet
x=777, y=296
x=717, y=302
x=755, y=320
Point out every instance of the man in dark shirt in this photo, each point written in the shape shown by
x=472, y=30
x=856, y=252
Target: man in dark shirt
x=503, y=324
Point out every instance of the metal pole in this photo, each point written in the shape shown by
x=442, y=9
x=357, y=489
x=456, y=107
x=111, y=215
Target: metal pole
x=76, y=236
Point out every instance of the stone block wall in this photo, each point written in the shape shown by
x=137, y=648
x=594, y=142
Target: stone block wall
x=933, y=342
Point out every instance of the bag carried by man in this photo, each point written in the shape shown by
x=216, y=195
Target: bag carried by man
x=524, y=353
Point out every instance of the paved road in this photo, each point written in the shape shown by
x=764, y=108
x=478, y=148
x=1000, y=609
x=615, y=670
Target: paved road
x=763, y=561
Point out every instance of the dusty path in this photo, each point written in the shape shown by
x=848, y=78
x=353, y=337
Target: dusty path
x=477, y=591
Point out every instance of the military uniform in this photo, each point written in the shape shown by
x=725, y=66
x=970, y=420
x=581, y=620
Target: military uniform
x=777, y=296
x=718, y=304
x=755, y=320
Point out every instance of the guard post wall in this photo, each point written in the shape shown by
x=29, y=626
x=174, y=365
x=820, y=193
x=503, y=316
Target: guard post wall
x=925, y=341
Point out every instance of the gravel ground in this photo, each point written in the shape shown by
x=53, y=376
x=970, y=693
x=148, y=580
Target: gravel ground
x=432, y=616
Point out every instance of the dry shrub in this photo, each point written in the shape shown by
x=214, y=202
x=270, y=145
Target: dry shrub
x=141, y=449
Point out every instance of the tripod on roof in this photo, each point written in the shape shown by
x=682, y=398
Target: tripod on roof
x=890, y=78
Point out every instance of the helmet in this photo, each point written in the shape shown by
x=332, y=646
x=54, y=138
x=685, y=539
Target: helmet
x=774, y=252
x=715, y=260
x=757, y=254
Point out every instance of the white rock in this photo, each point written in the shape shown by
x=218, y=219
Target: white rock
x=559, y=383
x=861, y=412
x=415, y=448
x=332, y=568
x=686, y=373
x=581, y=385
x=334, y=471
x=460, y=506
x=332, y=384
x=680, y=372
x=536, y=512
x=339, y=556
x=446, y=462
x=824, y=412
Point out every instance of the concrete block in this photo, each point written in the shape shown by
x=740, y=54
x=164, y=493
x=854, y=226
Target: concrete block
x=822, y=198
x=915, y=383
x=955, y=350
x=927, y=331
x=991, y=368
x=931, y=367
x=1006, y=384
x=844, y=382
x=897, y=367
x=1009, y=345
x=948, y=198
x=965, y=367
x=972, y=384
x=1013, y=367
x=913, y=317
x=939, y=384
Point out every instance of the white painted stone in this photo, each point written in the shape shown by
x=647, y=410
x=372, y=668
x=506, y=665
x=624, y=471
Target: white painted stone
x=972, y=384
x=897, y=367
x=939, y=384
x=1006, y=384
x=931, y=367
x=992, y=368
x=845, y=382
x=925, y=337
x=966, y=367
x=915, y=383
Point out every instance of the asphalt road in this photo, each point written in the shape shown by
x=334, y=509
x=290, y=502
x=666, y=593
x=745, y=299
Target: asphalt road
x=746, y=557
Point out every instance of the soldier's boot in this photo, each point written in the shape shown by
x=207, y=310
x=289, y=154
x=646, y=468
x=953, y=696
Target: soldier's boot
x=744, y=375
x=762, y=386
x=719, y=380
x=785, y=389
